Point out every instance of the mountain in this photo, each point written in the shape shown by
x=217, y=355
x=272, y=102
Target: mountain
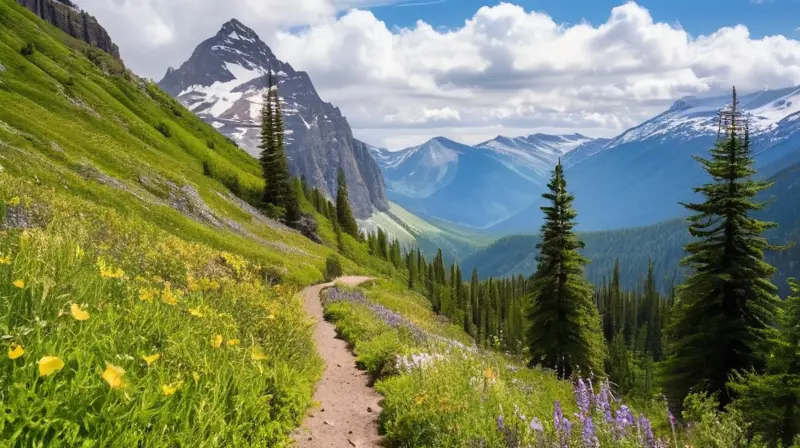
x=223, y=83
x=66, y=16
x=639, y=177
x=472, y=186
x=449, y=181
x=662, y=243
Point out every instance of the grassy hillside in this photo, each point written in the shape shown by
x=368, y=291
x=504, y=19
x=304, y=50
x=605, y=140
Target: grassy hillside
x=456, y=243
x=141, y=302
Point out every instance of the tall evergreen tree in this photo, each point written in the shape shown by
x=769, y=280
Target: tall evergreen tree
x=278, y=189
x=565, y=332
x=344, y=214
x=724, y=310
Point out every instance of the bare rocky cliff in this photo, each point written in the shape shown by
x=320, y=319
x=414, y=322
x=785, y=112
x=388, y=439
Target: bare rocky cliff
x=76, y=23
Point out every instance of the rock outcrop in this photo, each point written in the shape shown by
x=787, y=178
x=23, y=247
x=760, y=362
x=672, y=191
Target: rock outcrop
x=76, y=23
x=223, y=83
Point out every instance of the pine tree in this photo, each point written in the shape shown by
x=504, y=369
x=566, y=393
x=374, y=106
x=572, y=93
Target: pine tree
x=344, y=214
x=724, y=310
x=278, y=189
x=772, y=401
x=565, y=332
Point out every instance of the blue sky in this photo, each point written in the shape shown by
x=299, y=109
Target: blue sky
x=767, y=17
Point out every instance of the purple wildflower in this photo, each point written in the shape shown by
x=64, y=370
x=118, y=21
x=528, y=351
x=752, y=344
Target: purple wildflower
x=624, y=420
x=536, y=425
x=646, y=437
x=589, y=437
x=500, y=422
x=582, y=397
x=602, y=404
x=562, y=424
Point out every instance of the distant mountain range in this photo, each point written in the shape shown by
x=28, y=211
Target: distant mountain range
x=639, y=177
x=223, y=82
x=475, y=186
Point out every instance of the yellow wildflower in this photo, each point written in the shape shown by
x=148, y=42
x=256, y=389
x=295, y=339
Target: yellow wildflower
x=196, y=376
x=146, y=294
x=216, y=341
x=107, y=271
x=151, y=359
x=49, y=365
x=15, y=351
x=78, y=252
x=169, y=389
x=421, y=398
x=489, y=374
x=167, y=296
x=5, y=260
x=15, y=201
x=18, y=283
x=195, y=312
x=113, y=376
x=256, y=355
x=78, y=313
x=233, y=341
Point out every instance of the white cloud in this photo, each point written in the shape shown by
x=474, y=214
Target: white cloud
x=504, y=71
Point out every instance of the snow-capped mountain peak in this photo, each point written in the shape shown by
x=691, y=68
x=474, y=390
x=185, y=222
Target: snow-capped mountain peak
x=537, y=152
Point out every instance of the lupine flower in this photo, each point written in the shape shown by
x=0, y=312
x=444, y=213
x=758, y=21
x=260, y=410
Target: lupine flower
x=602, y=404
x=590, y=439
x=582, y=397
x=646, y=437
x=562, y=424
x=623, y=421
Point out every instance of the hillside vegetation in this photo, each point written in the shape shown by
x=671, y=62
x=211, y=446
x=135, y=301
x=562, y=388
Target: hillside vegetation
x=141, y=301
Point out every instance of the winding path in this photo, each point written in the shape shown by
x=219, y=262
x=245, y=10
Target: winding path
x=348, y=408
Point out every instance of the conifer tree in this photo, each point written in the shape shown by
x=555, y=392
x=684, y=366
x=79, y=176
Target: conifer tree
x=565, y=332
x=344, y=214
x=772, y=401
x=278, y=189
x=724, y=310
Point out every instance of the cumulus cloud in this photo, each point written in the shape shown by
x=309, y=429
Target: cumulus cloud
x=504, y=71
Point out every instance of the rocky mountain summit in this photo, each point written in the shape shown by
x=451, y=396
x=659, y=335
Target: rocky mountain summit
x=78, y=24
x=223, y=83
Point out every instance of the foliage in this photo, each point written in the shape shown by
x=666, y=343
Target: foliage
x=333, y=267
x=726, y=306
x=278, y=190
x=771, y=401
x=564, y=332
x=344, y=215
x=712, y=428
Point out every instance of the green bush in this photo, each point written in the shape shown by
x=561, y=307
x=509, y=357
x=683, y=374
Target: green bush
x=333, y=267
x=378, y=355
x=27, y=50
x=164, y=129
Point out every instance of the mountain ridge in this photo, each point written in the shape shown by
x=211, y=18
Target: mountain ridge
x=223, y=82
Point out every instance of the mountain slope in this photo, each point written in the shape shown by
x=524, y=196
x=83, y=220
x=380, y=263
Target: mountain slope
x=133, y=285
x=537, y=152
x=449, y=181
x=223, y=82
x=639, y=177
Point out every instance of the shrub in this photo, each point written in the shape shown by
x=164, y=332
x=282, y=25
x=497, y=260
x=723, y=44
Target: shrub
x=27, y=50
x=164, y=129
x=206, y=168
x=210, y=144
x=333, y=267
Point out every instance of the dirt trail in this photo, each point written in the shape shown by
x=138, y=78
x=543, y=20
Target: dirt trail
x=348, y=411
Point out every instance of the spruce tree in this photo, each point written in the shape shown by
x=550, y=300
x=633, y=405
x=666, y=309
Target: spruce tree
x=344, y=214
x=565, y=332
x=278, y=189
x=721, y=321
x=772, y=401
